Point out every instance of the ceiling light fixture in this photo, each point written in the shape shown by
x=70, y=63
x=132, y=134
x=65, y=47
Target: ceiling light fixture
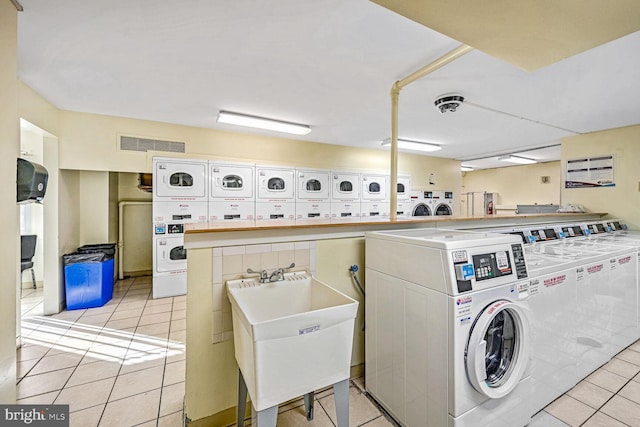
x=262, y=123
x=413, y=145
x=517, y=159
x=466, y=168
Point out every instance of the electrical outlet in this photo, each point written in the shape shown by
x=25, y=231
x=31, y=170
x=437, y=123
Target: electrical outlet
x=545, y=179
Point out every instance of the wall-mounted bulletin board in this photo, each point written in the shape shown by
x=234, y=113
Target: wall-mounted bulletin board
x=590, y=172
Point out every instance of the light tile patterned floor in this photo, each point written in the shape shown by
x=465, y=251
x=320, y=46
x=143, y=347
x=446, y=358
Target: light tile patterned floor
x=609, y=397
x=123, y=364
x=119, y=365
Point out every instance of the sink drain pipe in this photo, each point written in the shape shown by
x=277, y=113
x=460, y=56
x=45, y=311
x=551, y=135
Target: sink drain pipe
x=395, y=95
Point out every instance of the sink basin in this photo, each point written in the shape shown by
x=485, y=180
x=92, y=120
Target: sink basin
x=291, y=337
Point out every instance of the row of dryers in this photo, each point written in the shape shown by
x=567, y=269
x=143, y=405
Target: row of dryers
x=468, y=328
x=236, y=191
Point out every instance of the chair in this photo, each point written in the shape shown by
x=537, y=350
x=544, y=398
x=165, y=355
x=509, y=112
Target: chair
x=27, y=251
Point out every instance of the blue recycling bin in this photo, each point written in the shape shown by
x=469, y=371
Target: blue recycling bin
x=88, y=279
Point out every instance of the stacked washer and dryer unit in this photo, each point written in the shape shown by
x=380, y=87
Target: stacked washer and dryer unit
x=448, y=338
x=180, y=196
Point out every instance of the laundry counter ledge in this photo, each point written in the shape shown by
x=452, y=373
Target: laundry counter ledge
x=202, y=235
x=218, y=253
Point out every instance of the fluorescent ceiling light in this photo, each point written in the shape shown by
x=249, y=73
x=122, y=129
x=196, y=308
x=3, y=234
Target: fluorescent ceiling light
x=518, y=160
x=466, y=168
x=262, y=123
x=413, y=145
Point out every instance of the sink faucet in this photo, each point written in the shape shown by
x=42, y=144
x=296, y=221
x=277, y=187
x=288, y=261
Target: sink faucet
x=264, y=277
x=277, y=274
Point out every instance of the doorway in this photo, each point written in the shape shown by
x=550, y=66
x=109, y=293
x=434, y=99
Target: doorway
x=39, y=146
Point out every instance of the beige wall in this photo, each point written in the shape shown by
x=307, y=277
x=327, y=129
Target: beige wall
x=94, y=207
x=211, y=386
x=517, y=184
x=37, y=110
x=90, y=142
x=137, y=225
x=70, y=212
x=334, y=257
x=9, y=245
x=621, y=201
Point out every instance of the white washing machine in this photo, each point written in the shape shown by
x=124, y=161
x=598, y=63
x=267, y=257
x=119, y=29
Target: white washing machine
x=169, y=256
x=232, y=196
x=552, y=288
x=179, y=179
x=448, y=338
x=345, y=195
x=275, y=194
x=421, y=203
x=606, y=294
x=313, y=197
x=442, y=203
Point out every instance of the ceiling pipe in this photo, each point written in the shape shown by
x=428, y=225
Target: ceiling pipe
x=17, y=5
x=395, y=96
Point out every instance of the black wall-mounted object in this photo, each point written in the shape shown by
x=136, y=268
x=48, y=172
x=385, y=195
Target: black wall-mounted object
x=31, y=182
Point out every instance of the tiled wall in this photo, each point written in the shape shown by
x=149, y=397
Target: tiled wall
x=232, y=262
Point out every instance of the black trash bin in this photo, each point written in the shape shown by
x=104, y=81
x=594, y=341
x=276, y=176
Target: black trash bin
x=107, y=248
x=88, y=279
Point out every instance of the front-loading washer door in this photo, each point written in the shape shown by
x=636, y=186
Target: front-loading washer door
x=498, y=350
x=443, y=209
x=421, y=209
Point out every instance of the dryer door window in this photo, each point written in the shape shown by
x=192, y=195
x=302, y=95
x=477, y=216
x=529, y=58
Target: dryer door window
x=374, y=188
x=177, y=253
x=346, y=187
x=498, y=349
x=276, y=184
x=314, y=186
x=232, y=182
x=181, y=179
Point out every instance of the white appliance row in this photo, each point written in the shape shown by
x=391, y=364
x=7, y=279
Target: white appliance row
x=430, y=296
x=248, y=192
x=584, y=302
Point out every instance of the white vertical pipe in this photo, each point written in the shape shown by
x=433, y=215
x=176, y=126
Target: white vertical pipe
x=395, y=96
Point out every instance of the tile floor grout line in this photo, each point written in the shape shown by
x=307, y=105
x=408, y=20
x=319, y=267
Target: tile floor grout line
x=614, y=394
x=121, y=362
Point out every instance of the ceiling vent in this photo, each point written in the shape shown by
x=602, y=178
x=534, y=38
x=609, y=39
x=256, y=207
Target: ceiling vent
x=129, y=143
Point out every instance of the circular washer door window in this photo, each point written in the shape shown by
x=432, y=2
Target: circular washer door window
x=498, y=349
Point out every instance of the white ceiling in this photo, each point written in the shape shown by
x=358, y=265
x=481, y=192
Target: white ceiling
x=329, y=64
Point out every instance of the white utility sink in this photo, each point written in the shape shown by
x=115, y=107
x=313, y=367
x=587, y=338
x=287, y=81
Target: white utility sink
x=291, y=337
